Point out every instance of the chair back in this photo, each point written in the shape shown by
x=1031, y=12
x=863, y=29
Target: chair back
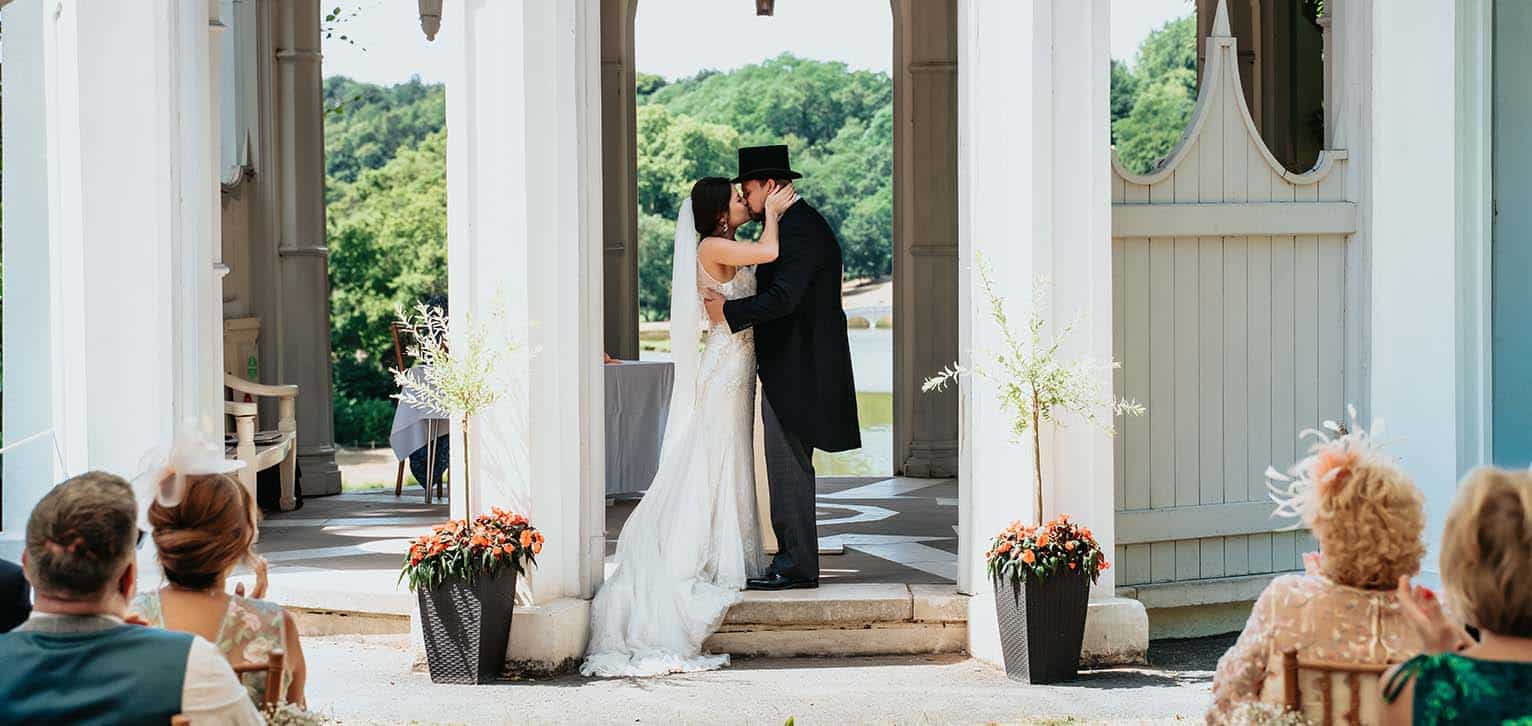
x=399, y=335
x=273, y=668
x=1328, y=692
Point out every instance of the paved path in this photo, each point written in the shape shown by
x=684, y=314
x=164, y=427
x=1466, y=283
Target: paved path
x=366, y=679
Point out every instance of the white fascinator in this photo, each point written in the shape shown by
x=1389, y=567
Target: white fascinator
x=195, y=451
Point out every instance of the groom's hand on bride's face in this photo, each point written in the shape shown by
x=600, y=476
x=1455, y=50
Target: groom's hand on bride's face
x=714, y=304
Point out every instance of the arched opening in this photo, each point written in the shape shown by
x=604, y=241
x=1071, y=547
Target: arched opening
x=880, y=161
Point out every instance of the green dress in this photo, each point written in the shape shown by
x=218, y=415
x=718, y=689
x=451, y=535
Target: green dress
x=1457, y=689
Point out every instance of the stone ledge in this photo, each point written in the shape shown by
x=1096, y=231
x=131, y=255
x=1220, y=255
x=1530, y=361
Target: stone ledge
x=880, y=639
x=939, y=604
x=1116, y=633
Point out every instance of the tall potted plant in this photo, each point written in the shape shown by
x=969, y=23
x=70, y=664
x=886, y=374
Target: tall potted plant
x=464, y=577
x=464, y=572
x=1042, y=572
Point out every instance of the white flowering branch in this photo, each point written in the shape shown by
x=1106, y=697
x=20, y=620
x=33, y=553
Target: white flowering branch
x=1035, y=385
x=458, y=383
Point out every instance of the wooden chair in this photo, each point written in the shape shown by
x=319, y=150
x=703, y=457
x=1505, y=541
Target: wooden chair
x=273, y=668
x=264, y=449
x=275, y=661
x=393, y=329
x=1305, y=680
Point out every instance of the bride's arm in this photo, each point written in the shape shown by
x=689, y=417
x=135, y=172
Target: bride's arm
x=724, y=251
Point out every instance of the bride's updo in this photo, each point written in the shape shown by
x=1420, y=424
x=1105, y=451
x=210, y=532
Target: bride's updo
x=710, y=203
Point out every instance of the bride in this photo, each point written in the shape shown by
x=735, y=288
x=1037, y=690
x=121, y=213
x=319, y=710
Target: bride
x=688, y=547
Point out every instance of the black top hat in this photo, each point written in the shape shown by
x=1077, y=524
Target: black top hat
x=764, y=162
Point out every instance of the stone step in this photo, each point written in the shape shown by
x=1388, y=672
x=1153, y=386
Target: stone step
x=846, y=619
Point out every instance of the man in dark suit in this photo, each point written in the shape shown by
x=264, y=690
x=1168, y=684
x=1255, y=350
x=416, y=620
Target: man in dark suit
x=15, y=600
x=804, y=362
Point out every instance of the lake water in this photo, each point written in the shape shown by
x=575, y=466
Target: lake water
x=872, y=363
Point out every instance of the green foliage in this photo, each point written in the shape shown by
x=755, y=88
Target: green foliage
x=362, y=421
x=388, y=249
x=674, y=152
x=369, y=124
x=1152, y=103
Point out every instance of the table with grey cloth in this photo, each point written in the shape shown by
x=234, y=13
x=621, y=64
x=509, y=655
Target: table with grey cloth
x=413, y=426
x=637, y=404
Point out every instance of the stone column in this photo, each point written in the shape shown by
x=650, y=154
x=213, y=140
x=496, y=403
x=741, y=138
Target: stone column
x=925, y=233
x=524, y=235
x=1408, y=197
x=619, y=164
x=1032, y=132
x=296, y=328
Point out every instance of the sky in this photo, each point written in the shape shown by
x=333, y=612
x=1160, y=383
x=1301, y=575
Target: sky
x=677, y=38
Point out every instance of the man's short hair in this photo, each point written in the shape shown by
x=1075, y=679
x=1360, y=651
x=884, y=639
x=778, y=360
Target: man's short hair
x=80, y=534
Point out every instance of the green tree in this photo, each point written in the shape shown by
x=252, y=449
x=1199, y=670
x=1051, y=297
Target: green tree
x=367, y=124
x=388, y=248
x=674, y=152
x=1163, y=89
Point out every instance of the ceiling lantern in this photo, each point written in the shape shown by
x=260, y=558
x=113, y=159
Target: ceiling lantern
x=430, y=17
x=765, y=7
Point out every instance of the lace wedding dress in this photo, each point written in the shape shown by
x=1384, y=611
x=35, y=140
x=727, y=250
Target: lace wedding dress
x=686, y=550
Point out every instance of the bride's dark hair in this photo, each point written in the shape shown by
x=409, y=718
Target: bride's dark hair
x=710, y=203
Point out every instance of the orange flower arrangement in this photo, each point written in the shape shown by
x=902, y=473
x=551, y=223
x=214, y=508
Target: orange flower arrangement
x=1044, y=550
x=488, y=545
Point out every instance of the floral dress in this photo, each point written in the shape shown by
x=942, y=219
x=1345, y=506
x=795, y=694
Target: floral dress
x=1323, y=621
x=1452, y=688
x=250, y=630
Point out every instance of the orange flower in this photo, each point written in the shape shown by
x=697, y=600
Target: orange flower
x=1042, y=540
x=1071, y=565
x=1003, y=548
x=1102, y=565
x=537, y=547
x=526, y=538
x=1028, y=557
x=537, y=536
x=1071, y=545
x=509, y=550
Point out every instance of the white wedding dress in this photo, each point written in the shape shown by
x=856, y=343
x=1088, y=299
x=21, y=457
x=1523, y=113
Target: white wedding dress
x=685, y=552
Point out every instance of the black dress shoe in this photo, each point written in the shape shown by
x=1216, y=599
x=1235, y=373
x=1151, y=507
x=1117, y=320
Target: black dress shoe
x=774, y=581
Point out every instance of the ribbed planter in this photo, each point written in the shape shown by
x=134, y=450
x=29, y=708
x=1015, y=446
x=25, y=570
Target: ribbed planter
x=1042, y=626
x=467, y=626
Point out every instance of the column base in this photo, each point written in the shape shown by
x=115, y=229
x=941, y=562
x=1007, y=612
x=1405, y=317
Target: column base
x=546, y=640
x=321, y=475
x=931, y=460
x=1116, y=632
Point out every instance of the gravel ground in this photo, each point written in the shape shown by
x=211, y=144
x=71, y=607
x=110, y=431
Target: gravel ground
x=367, y=679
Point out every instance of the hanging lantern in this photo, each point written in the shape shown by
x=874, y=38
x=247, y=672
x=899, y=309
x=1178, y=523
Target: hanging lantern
x=430, y=17
x=765, y=7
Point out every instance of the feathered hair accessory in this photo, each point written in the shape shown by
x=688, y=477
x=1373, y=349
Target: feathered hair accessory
x=193, y=452
x=1337, y=452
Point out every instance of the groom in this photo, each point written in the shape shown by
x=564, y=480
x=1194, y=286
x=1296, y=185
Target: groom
x=804, y=360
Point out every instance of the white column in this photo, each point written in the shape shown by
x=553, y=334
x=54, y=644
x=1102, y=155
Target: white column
x=1033, y=200
x=524, y=242
x=1409, y=213
x=113, y=328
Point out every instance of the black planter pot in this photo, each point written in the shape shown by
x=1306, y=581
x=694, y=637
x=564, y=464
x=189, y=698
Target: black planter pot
x=467, y=626
x=1042, y=626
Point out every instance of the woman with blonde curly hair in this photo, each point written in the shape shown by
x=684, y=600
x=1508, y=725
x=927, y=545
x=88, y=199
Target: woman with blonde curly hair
x=1486, y=565
x=1367, y=516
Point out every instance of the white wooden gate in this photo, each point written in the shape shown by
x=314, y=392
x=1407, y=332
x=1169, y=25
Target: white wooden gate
x=1229, y=290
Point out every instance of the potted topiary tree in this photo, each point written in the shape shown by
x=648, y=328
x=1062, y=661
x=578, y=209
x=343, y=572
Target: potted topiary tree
x=1042, y=572
x=464, y=572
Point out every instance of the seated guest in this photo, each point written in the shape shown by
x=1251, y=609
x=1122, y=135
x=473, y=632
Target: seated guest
x=74, y=660
x=201, y=539
x=1486, y=566
x=1368, y=518
x=15, y=600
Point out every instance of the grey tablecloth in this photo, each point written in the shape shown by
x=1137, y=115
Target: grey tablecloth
x=411, y=425
x=637, y=404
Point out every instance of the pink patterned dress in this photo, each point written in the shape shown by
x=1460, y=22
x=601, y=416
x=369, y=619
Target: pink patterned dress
x=1323, y=621
x=249, y=631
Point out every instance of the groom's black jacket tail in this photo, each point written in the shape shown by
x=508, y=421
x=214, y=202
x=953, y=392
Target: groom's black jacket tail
x=800, y=333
